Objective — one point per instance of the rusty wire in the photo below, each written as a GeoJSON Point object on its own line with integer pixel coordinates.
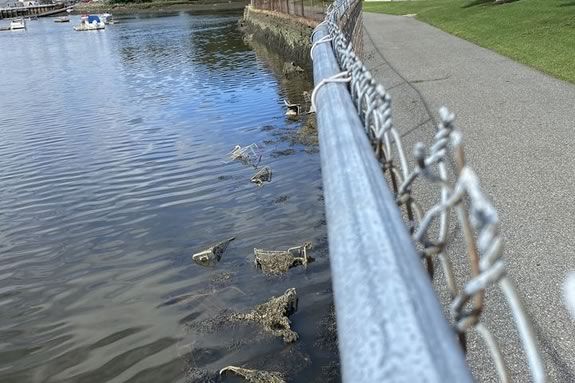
{"type": "Point", "coordinates": [442, 164]}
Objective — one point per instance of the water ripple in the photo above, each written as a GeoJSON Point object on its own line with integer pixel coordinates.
{"type": "Point", "coordinates": [113, 172]}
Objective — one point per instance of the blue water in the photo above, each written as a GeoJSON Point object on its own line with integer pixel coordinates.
{"type": "Point", "coordinates": [113, 172]}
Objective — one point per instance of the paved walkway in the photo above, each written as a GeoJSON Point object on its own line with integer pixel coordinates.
{"type": "Point", "coordinates": [519, 130]}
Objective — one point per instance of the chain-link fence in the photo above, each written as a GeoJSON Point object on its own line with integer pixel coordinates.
{"type": "Point", "coordinates": [441, 166]}
{"type": "Point", "coordinates": [309, 9]}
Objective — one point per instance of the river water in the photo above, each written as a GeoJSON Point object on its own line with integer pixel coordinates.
{"type": "Point", "coordinates": [113, 172]}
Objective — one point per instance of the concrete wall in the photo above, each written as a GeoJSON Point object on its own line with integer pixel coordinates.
{"type": "Point", "coordinates": [286, 34]}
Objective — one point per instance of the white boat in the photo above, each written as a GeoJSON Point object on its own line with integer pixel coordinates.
{"type": "Point", "coordinates": [107, 18]}
{"type": "Point", "coordinates": [62, 19]}
{"type": "Point", "coordinates": [90, 23]}
{"type": "Point", "coordinates": [18, 23]}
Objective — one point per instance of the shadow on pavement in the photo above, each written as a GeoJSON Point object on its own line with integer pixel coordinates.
{"type": "Point", "coordinates": [485, 2]}
{"type": "Point", "coordinates": [547, 347]}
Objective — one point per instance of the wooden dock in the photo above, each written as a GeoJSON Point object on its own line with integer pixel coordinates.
{"type": "Point", "coordinates": [34, 10]}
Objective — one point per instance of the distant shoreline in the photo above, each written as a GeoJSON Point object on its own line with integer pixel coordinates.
{"type": "Point", "coordinates": [159, 6]}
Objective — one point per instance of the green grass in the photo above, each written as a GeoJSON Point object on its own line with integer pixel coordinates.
{"type": "Point", "coordinates": [539, 33]}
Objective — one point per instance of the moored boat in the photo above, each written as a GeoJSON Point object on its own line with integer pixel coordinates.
{"type": "Point", "coordinates": [62, 19]}
{"type": "Point", "coordinates": [18, 23]}
{"type": "Point", "coordinates": [107, 18]}
{"type": "Point", "coordinates": [90, 23]}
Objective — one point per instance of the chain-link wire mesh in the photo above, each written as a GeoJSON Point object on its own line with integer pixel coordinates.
{"type": "Point", "coordinates": [460, 196]}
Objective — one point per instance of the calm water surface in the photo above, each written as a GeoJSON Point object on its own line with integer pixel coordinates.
{"type": "Point", "coordinates": [113, 173]}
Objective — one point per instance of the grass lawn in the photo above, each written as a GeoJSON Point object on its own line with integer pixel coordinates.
{"type": "Point", "coordinates": [539, 33]}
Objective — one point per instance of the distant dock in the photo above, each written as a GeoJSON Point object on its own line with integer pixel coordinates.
{"type": "Point", "coordinates": [33, 10]}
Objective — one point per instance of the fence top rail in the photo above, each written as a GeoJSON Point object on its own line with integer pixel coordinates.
{"type": "Point", "coordinates": [390, 324]}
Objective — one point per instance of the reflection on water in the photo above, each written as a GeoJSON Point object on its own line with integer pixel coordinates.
{"type": "Point", "coordinates": [113, 173]}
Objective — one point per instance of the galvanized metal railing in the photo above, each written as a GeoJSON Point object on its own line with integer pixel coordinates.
{"type": "Point", "coordinates": [390, 324]}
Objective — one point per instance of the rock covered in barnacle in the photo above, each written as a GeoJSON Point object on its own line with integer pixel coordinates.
{"type": "Point", "coordinates": [277, 262]}
{"type": "Point", "coordinates": [273, 315]}
{"type": "Point", "coordinates": [255, 376]}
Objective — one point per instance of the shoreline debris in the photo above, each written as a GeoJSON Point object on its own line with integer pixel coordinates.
{"type": "Point", "coordinates": [280, 261]}
{"type": "Point", "coordinates": [273, 315]}
{"type": "Point", "coordinates": [254, 376]}
{"type": "Point", "coordinates": [249, 154]}
{"type": "Point", "coordinates": [213, 254]}
{"type": "Point", "coordinates": [263, 175]}
{"type": "Point", "coordinates": [293, 110]}
{"type": "Point", "coordinates": [291, 68]}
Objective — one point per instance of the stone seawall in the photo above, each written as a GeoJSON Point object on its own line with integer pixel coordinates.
{"type": "Point", "coordinates": [286, 34]}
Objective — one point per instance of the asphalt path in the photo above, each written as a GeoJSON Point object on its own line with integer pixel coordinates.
{"type": "Point", "coordinates": [519, 134]}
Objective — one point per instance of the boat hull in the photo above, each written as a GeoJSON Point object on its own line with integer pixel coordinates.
{"type": "Point", "coordinates": [89, 27]}
{"type": "Point", "coordinates": [17, 24]}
